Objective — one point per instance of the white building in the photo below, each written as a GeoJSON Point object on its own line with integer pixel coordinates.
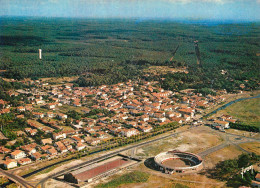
{"type": "Point", "coordinates": [18, 154]}
{"type": "Point", "coordinates": [10, 164]}
{"type": "Point", "coordinates": [129, 132]}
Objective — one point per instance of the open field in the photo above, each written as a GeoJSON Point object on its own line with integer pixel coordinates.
{"type": "Point", "coordinates": [60, 79]}
{"type": "Point", "coordinates": [252, 147]}
{"type": "Point", "coordinates": [247, 111]}
{"type": "Point", "coordinates": [229, 152]}
{"type": "Point", "coordinates": [192, 141]}
{"type": "Point", "coordinates": [66, 108]}
{"type": "Point", "coordinates": [155, 70]}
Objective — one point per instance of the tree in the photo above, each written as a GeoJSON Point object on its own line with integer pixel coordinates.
{"type": "Point", "coordinates": [73, 114]}
{"type": "Point", "coordinates": [243, 160]}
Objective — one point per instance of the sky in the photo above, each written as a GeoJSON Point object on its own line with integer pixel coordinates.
{"type": "Point", "coordinates": [246, 10]}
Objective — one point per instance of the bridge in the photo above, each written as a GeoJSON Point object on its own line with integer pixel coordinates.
{"type": "Point", "coordinates": [17, 179]}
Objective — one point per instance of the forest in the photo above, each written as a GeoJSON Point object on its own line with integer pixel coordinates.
{"type": "Point", "coordinates": [107, 51]}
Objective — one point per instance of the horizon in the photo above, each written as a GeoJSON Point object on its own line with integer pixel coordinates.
{"type": "Point", "coordinates": [140, 20]}
{"type": "Point", "coordinates": [196, 10]}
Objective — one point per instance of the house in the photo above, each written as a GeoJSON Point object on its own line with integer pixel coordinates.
{"type": "Point", "coordinates": [170, 114]}
{"type": "Point", "coordinates": [50, 114]}
{"type": "Point", "coordinates": [129, 132]}
{"type": "Point", "coordinates": [256, 183]}
{"type": "Point", "coordinates": [132, 123]}
{"type": "Point", "coordinates": [52, 151]}
{"type": "Point", "coordinates": [145, 128]}
{"type": "Point", "coordinates": [46, 141]}
{"type": "Point", "coordinates": [223, 124]}
{"type": "Point", "coordinates": [93, 141]}
{"type": "Point", "coordinates": [29, 150]}
{"type": "Point", "coordinates": [51, 106]}
{"type": "Point", "coordinates": [24, 161]}
{"type": "Point", "coordinates": [4, 150]}
{"type": "Point", "coordinates": [4, 111]}
{"type": "Point", "coordinates": [176, 119]}
{"type": "Point", "coordinates": [38, 114]}
{"type": "Point", "coordinates": [27, 130]}
{"type": "Point", "coordinates": [77, 104]}
{"type": "Point", "coordinates": [144, 117]}
{"type": "Point", "coordinates": [10, 163]}
{"type": "Point", "coordinates": [186, 117]}
{"type": "Point", "coordinates": [21, 116]}
{"type": "Point", "coordinates": [36, 156]}
{"type": "Point", "coordinates": [80, 146]}
{"type": "Point", "coordinates": [61, 147]}
{"type": "Point", "coordinates": [21, 108]}
{"type": "Point", "coordinates": [231, 120]}
{"type": "Point", "coordinates": [77, 139]}
{"type": "Point", "coordinates": [86, 110]}
{"type": "Point", "coordinates": [2, 103]}
{"type": "Point", "coordinates": [20, 133]}
{"type": "Point", "coordinates": [62, 116]}
{"type": "Point", "coordinates": [187, 111]}
{"type": "Point", "coordinates": [33, 132]}
{"type": "Point", "coordinates": [161, 119]}
{"type": "Point", "coordinates": [59, 136]}
{"type": "Point", "coordinates": [39, 101]}
{"type": "Point", "coordinates": [257, 177]}
{"type": "Point", "coordinates": [18, 154]}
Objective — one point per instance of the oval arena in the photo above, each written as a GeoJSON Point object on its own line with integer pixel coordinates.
{"type": "Point", "coordinates": [177, 161]}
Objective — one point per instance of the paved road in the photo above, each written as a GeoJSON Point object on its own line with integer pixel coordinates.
{"type": "Point", "coordinates": [213, 149]}
{"type": "Point", "coordinates": [16, 179]}
{"type": "Point", "coordinates": [254, 139]}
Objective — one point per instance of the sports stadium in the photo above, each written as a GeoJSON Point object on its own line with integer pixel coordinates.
{"type": "Point", "coordinates": [177, 161]}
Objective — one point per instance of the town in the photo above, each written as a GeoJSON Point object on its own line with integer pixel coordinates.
{"type": "Point", "coordinates": [63, 119]}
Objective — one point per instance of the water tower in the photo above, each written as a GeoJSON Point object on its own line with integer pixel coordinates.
{"type": "Point", "coordinates": [40, 53]}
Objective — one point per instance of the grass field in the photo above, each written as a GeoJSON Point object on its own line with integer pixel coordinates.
{"type": "Point", "coordinates": [252, 146]}
{"type": "Point", "coordinates": [247, 111]}
{"type": "Point", "coordinates": [229, 152]}
{"type": "Point", "coordinates": [132, 177]}
{"type": "Point", "coordinates": [66, 108]}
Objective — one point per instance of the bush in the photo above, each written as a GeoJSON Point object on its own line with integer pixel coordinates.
{"type": "Point", "coordinates": [250, 128]}
{"type": "Point", "coordinates": [132, 177]}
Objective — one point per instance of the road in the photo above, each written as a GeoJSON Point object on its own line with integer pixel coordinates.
{"type": "Point", "coordinates": [16, 179]}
